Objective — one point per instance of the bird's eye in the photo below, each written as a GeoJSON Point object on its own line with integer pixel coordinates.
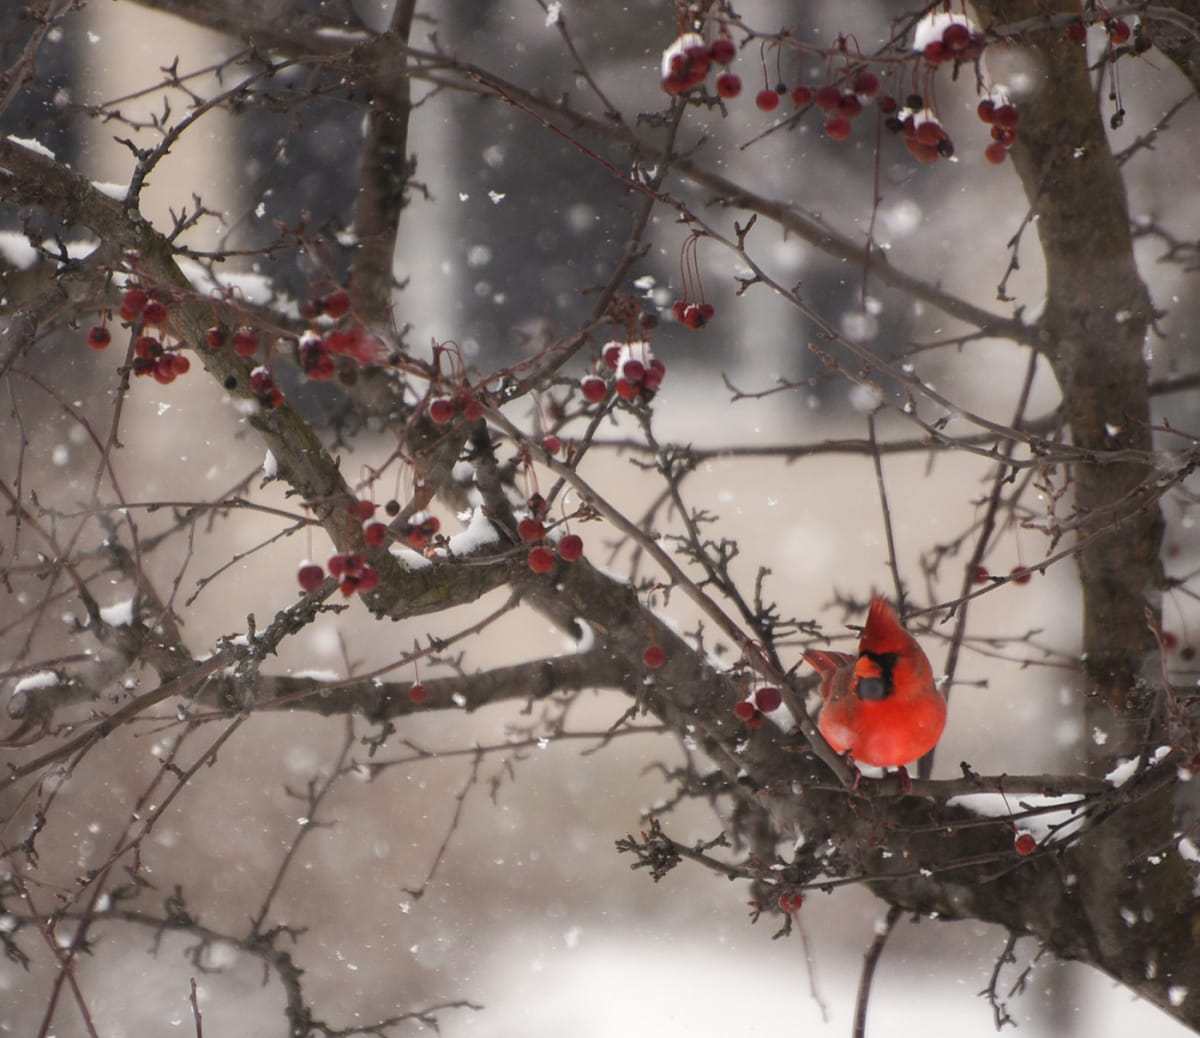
{"type": "Point", "coordinates": [871, 689]}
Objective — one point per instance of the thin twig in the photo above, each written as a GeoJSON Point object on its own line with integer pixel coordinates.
{"type": "Point", "coordinates": [870, 961]}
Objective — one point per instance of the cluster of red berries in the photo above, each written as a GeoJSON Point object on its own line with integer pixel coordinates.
{"type": "Point", "coordinates": [693, 315]}
{"type": "Point", "coordinates": [639, 374]}
{"type": "Point", "coordinates": [315, 352]}
{"type": "Point", "coordinates": [139, 305]}
{"type": "Point", "coordinates": [924, 136]}
{"type": "Point", "coordinates": [1002, 116]}
{"type": "Point", "coordinates": [687, 61]}
{"type": "Point", "coordinates": [350, 569]}
{"type": "Point", "coordinates": [244, 340]}
{"type": "Point", "coordinates": [1118, 33]}
{"type": "Point", "coordinates": [1018, 575]}
{"type": "Point", "coordinates": [151, 358]}
{"type": "Point", "coordinates": [262, 385]}
{"type": "Point", "coordinates": [418, 533]}
{"type": "Point", "coordinates": [353, 573]}
{"type": "Point", "coordinates": [532, 530]}
{"type": "Point", "coordinates": [841, 103]}
{"type": "Point", "coordinates": [334, 305]}
{"type": "Point", "coordinates": [444, 409]}
{"type": "Point", "coordinates": [958, 43]}
{"type": "Point", "coordinates": [762, 701]}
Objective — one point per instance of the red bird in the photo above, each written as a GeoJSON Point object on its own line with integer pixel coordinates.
{"type": "Point", "coordinates": [880, 706]}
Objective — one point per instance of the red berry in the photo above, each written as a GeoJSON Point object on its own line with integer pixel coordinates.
{"type": "Point", "coordinates": [1021, 575]}
{"type": "Point", "coordinates": [722, 50]}
{"type": "Point", "coordinates": [164, 370]}
{"type": "Point", "coordinates": [767, 100]}
{"type": "Point", "coordinates": [995, 153]}
{"type": "Point", "coordinates": [1118, 30]}
{"type": "Point", "coordinates": [827, 97]}
{"type": "Point", "coordinates": [570, 547]}
{"type": "Point", "coordinates": [889, 105]}
{"type": "Point", "coordinates": [310, 576]}
{"type": "Point", "coordinates": [442, 410]}
{"type": "Point", "coordinates": [1170, 640]}
{"type": "Point", "coordinates": [791, 902]}
{"type": "Point", "coordinates": [728, 85]}
{"type": "Point", "coordinates": [980, 575]}
{"type": "Point", "coordinates": [654, 375]}
{"type": "Point", "coordinates": [154, 312]}
{"type": "Point", "coordinates": [654, 657]}
{"type": "Point", "coordinates": [1077, 31]}
{"type": "Point", "coordinates": [693, 316]}
{"type": "Point", "coordinates": [215, 337]}
{"type": "Point", "coordinates": [837, 128]}
{"type": "Point", "coordinates": [336, 304]}
{"type": "Point", "coordinates": [921, 152]}
{"type": "Point", "coordinates": [551, 444]}
{"type": "Point", "coordinates": [363, 509]}
{"type": "Point", "coordinates": [849, 106]}
{"type": "Point", "coordinates": [866, 84]}
{"type": "Point", "coordinates": [1007, 116]}
{"type": "Point", "coordinates": [415, 538]}
{"type": "Point", "coordinates": [147, 347]}
{"type": "Point", "coordinates": [375, 534]}
{"type": "Point", "coordinates": [633, 371]}
{"type": "Point", "coordinates": [530, 530]}
{"type": "Point", "coordinates": [538, 506]}
{"type": "Point", "coordinates": [743, 710]}
{"type": "Point", "coordinates": [956, 36]}
{"type": "Point", "coordinates": [612, 354]}
{"type": "Point", "coordinates": [179, 363]}
{"type": "Point", "coordinates": [626, 390]}
{"type": "Point", "coordinates": [1025, 843]}
{"type": "Point", "coordinates": [245, 341]}
{"type": "Point", "coordinates": [418, 693]}
{"type": "Point", "coordinates": [594, 389]}
{"type": "Point", "coordinates": [801, 95]}
{"type": "Point", "coordinates": [986, 110]}
{"type": "Point", "coordinates": [98, 337]}
{"type": "Point", "coordinates": [133, 302]}
{"type": "Point", "coordinates": [472, 409]}
{"type": "Point", "coordinates": [319, 365]}
{"type": "Point", "coordinates": [541, 559]}
{"type": "Point", "coordinates": [936, 52]}
{"type": "Point", "coordinates": [768, 699]}
{"type": "Point", "coordinates": [756, 720]}
{"type": "Point", "coordinates": [930, 132]}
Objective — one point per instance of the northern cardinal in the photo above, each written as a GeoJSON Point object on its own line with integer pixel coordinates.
{"type": "Point", "coordinates": [880, 706]}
